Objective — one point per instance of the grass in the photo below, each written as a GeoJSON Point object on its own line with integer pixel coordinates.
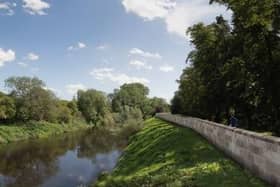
{"type": "Point", "coordinates": [33, 130]}
{"type": "Point", "coordinates": [166, 155]}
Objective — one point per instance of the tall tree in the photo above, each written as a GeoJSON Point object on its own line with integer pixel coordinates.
{"type": "Point", "coordinates": [33, 101]}
{"type": "Point", "coordinates": [21, 86]}
{"type": "Point", "coordinates": [132, 95]}
{"type": "Point", "coordinates": [93, 105]}
{"type": "Point", "coordinates": [235, 68]}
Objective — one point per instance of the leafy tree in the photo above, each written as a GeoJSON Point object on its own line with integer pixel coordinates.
{"type": "Point", "coordinates": [38, 105]}
{"type": "Point", "coordinates": [93, 105]}
{"type": "Point", "coordinates": [21, 86]}
{"type": "Point", "coordinates": [75, 113]}
{"type": "Point", "coordinates": [64, 114]}
{"type": "Point", "coordinates": [7, 107]}
{"type": "Point", "coordinates": [156, 105]}
{"type": "Point", "coordinates": [33, 101]}
{"type": "Point", "coordinates": [235, 68]}
{"type": "Point", "coordinates": [132, 95]}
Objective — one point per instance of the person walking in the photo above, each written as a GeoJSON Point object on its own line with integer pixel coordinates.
{"type": "Point", "coordinates": [233, 121]}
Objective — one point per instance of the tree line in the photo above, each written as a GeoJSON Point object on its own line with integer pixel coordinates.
{"type": "Point", "coordinates": [30, 100]}
{"type": "Point", "coordinates": [235, 67]}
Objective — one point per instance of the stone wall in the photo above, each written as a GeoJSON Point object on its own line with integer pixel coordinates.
{"type": "Point", "coordinates": [258, 153]}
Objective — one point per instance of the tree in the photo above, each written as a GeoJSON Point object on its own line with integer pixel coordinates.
{"type": "Point", "coordinates": [75, 113]}
{"type": "Point", "coordinates": [21, 86]}
{"type": "Point", "coordinates": [235, 68]}
{"type": "Point", "coordinates": [7, 107]}
{"type": "Point", "coordinates": [33, 101]}
{"type": "Point", "coordinates": [132, 95]}
{"type": "Point", "coordinates": [38, 105]}
{"type": "Point", "coordinates": [156, 105]}
{"type": "Point", "coordinates": [93, 105]}
{"type": "Point", "coordinates": [64, 114]}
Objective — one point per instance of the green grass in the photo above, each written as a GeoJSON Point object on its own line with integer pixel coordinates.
{"type": "Point", "coordinates": [33, 130]}
{"type": "Point", "coordinates": [166, 155]}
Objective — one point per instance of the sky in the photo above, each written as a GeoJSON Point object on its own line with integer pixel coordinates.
{"type": "Point", "coordinates": [100, 44]}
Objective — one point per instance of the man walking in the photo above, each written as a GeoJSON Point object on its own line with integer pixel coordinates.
{"type": "Point", "coordinates": [233, 121]}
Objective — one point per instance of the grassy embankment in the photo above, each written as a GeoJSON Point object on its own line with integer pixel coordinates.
{"type": "Point", "coordinates": [32, 130]}
{"type": "Point", "coordinates": [165, 155]}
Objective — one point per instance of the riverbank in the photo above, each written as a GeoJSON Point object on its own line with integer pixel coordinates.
{"type": "Point", "coordinates": [166, 155]}
{"type": "Point", "coordinates": [35, 130]}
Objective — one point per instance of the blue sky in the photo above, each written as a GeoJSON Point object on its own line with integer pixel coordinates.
{"type": "Point", "coordinates": [101, 44]}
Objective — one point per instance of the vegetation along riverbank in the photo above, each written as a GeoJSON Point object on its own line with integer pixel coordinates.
{"type": "Point", "coordinates": [31, 130]}
{"type": "Point", "coordinates": [165, 155]}
{"type": "Point", "coordinates": [29, 109]}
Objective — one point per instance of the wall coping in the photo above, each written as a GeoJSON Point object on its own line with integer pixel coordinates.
{"type": "Point", "coordinates": [266, 138]}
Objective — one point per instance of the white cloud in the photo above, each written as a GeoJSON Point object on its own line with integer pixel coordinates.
{"type": "Point", "coordinates": [140, 65]}
{"type": "Point", "coordinates": [6, 56]}
{"type": "Point", "coordinates": [73, 88]}
{"type": "Point", "coordinates": [166, 68]}
{"type": "Point", "coordinates": [177, 16]}
{"type": "Point", "coordinates": [22, 64]}
{"type": "Point", "coordinates": [102, 47]}
{"type": "Point", "coordinates": [140, 52]}
{"type": "Point", "coordinates": [79, 45]}
{"type": "Point", "coordinates": [7, 8]}
{"type": "Point", "coordinates": [187, 14]}
{"type": "Point", "coordinates": [149, 9]}
{"type": "Point", "coordinates": [32, 57]}
{"type": "Point", "coordinates": [34, 7]}
{"type": "Point", "coordinates": [119, 78]}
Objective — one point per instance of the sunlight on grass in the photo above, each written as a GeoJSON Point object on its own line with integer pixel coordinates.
{"type": "Point", "coordinates": [166, 155]}
{"type": "Point", "coordinates": [17, 132]}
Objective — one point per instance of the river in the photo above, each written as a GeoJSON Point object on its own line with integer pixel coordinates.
{"type": "Point", "coordinates": [68, 160]}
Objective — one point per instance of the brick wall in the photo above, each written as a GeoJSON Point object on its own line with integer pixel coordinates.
{"type": "Point", "coordinates": [258, 153]}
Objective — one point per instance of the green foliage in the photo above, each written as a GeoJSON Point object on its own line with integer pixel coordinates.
{"type": "Point", "coordinates": [73, 106]}
{"type": "Point", "coordinates": [37, 105]}
{"type": "Point", "coordinates": [155, 105]}
{"type": "Point", "coordinates": [33, 102]}
{"type": "Point", "coordinates": [7, 107]}
{"type": "Point", "coordinates": [17, 132]}
{"type": "Point", "coordinates": [132, 95]}
{"type": "Point", "coordinates": [166, 155]}
{"type": "Point", "coordinates": [30, 100]}
{"type": "Point", "coordinates": [21, 86]}
{"type": "Point", "coordinates": [93, 105]}
{"type": "Point", "coordinates": [235, 68]}
{"type": "Point", "coordinates": [64, 112]}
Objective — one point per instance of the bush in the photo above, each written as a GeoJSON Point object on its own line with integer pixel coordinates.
{"type": "Point", "coordinates": [7, 107]}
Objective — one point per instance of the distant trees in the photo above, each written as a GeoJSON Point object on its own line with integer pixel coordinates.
{"type": "Point", "coordinates": [93, 105]}
{"type": "Point", "coordinates": [156, 105]}
{"type": "Point", "coordinates": [131, 95]}
{"type": "Point", "coordinates": [235, 68]}
{"type": "Point", "coordinates": [29, 99]}
{"type": "Point", "coordinates": [135, 95]}
{"type": "Point", "coordinates": [39, 104]}
{"type": "Point", "coordinates": [33, 102]}
{"type": "Point", "coordinates": [21, 86]}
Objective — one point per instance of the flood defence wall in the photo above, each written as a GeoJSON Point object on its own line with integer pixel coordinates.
{"type": "Point", "coordinates": [258, 153]}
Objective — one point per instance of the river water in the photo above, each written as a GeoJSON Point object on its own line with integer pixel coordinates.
{"type": "Point", "coordinates": [69, 160]}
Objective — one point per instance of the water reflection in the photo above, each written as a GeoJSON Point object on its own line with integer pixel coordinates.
{"type": "Point", "coordinates": [70, 160]}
